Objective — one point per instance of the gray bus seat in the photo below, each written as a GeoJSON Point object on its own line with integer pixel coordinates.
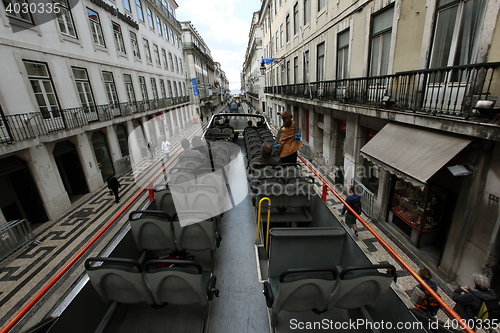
{"type": "Point", "coordinates": [164, 201]}
{"type": "Point", "coordinates": [201, 235]}
{"type": "Point", "coordinates": [360, 286]}
{"type": "Point", "coordinates": [179, 176]}
{"type": "Point", "coordinates": [180, 282]}
{"type": "Point", "coordinates": [297, 248]}
{"type": "Point", "coordinates": [119, 280]}
{"type": "Point", "coordinates": [298, 290]}
{"type": "Point", "coordinates": [302, 263]}
{"type": "Point", "coordinates": [153, 231]}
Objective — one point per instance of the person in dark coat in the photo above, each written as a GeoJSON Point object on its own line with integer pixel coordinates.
{"type": "Point", "coordinates": [354, 201]}
{"type": "Point", "coordinates": [468, 300]}
{"type": "Point", "coordinates": [114, 185]}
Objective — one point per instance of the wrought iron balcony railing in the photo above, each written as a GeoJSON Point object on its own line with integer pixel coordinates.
{"type": "Point", "coordinates": [450, 91]}
{"type": "Point", "coordinates": [20, 127]}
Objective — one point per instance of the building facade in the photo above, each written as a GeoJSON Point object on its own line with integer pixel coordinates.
{"type": "Point", "coordinates": [75, 83]}
{"type": "Point", "coordinates": [252, 81]}
{"type": "Point", "coordinates": [397, 97]}
{"type": "Point", "coordinates": [207, 79]}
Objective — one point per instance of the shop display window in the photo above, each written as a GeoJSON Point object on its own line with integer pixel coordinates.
{"type": "Point", "coordinates": [422, 209]}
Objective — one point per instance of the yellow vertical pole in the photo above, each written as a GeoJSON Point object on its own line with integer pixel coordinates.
{"type": "Point", "coordinates": [259, 209]}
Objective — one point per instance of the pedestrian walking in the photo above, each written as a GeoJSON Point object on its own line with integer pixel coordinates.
{"type": "Point", "coordinates": [354, 201]}
{"type": "Point", "coordinates": [165, 146]}
{"type": "Point", "coordinates": [114, 185]}
{"type": "Point", "coordinates": [420, 298]}
{"type": "Point", "coordinates": [151, 148]}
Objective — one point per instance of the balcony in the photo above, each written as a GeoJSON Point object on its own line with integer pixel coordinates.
{"type": "Point", "coordinates": [451, 91]}
{"type": "Point", "coordinates": [25, 126]}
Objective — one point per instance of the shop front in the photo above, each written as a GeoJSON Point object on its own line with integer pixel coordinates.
{"type": "Point", "coordinates": [417, 212]}
{"type": "Point", "coordinates": [419, 203]}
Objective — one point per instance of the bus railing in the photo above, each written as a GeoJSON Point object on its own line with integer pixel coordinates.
{"type": "Point", "coordinates": [444, 306]}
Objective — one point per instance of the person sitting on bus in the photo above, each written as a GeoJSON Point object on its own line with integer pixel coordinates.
{"type": "Point", "coordinates": [265, 158]}
{"type": "Point", "coordinates": [190, 153]}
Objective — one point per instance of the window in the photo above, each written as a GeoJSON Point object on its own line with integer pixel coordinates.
{"type": "Point", "coordinates": [126, 5]}
{"type": "Point", "coordinates": [307, 12]}
{"type": "Point", "coordinates": [158, 26]}
{"type": "Point", "coordinates": [175, 89]}
{"type": "Point", "coordinates": [150, 18]}
{"type": "Point", "coordinates": [144, 89]}
{"type": "Point", "coordinates": [140, 13]}
{"type": "Point", "coordinates": [154, 89]}
{"type": "Point", "coordinates": [277, 43]}
{"type": "Point", "coordinates": [145, 42]}
{"type": "Point", "coordinates": [296, 19]}
{"type": "Point", "coordinates": [135, 45]}
{"type": "Point", "coordinates": [456, 36]}
{"type": "Point", "coordinates": [176, 64]}
{"type": "Point", "coordinates": [95, 26]}
{"type": "Point", "coordinates": [109, 86]}
{"type": "Point", "coordinates": [10, 10]}
{"type": "Point", "coordinates": [281, 35]}
{"type": "Point", "coordinates": [162, 89]}
{"type": "Point", "coordinates": [65, 19]}
{"type": "Point", "coordinates": [164, 56]}
{"type": "Point", "coordinates": [287, 28]}
{"type": "Point", "coordinates": [83, 87]}
{"type": "Point", "coordinates": [342, 55]}
{"type": "Point", "coordinates": [157, 54]}
{"type": "Point", "coordinates": [381, 42]}
{"type": "Point", "coordinates": [169, 85]}
{"type": "Point", "coordinates": [165, 28]}
{"type": "Point", "coordinates": [288, 72]}
{"type": "Point", "coordinates": [171, 36]}
{"type": "Point", "coordinates": [296, 69]}
{"type": "Point", "coordinates": [129, 87]}
{"type": "Point", "coordinates": [306, 67]}
{"type": "Point", "coordinates": [320, 62]}
{"type": "Point", "coordinates": [171, 61]}
{"type": "Point", "coordinates": [321, 4]}
{"type": "Point", "coordinates": [41, 83]}
{"type": "Point", "coordinates": [117, 33]}
{"type": "Point", "coordinates": [180, 89]}
{"type": "Point", "coordinates": [271, 47]}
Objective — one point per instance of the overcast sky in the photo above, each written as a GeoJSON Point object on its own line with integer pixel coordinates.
{"type": "Point", "coordinates": [224, 26]}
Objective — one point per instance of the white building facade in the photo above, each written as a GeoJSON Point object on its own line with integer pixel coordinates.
{"type": "Point", "coordinates": [74, 86]}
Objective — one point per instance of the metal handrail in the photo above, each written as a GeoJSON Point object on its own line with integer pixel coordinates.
{"type": "Point", "coordinates": [259, 210]}
{"type": "Point", "coordinates": [396, 256]}
{"type": "Point", "coordinates": [30, 125]}
{"type": "Point", "coordinates": [448, 91]}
